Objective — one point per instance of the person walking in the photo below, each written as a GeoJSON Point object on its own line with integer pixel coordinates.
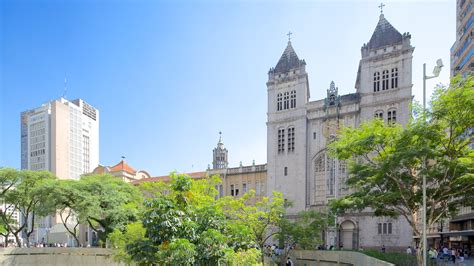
{"type": "Point", "coordinates": [453, 255]}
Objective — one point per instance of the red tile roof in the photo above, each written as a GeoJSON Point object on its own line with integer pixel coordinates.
{"type": "Point", "coordinates": [166, 178]}
{"type": "Point", "coordinates": [122, 166]}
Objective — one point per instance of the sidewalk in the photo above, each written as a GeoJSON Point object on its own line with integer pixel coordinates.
{"type": "Point", "coordinates": [468, 262]}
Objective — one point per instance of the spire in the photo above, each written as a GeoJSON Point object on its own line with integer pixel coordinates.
{"type": "Point", "coordinates": [384, 34]}
{"type": "Point", "coordinates": [220, 138]}
{"type": "Point", "coordinates": [288, 60]}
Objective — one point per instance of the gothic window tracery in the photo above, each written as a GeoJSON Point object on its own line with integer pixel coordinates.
{"type": "Point", "coordinates": [286, 101]}
{"type": "Point", "coordinates": [328, 171]}
{"type": "Point", "coordinates": [293, 99]}
{"type": "Point", "coordinates": [394, 78]}
{"type": "Point", "coordinates": [385, 80]}
{"type": "Point", "coordinates": [376, 81]}
{"type": "Point", "coordinates": [279, 102]}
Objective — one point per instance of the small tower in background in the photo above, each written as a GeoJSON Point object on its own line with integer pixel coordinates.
{"type": "Point", "coordinates": [219, 155]}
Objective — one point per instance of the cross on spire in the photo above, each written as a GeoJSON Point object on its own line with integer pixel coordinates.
{"type": "Point", "coordinates": [381, 7]}
{"type": "Point", "coordinates": [289, 35]}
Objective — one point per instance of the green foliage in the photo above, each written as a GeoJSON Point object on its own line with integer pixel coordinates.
{"type": "Point", "coordinates": [305, 230]}
{"type": "Point", "coordinates": [251, 256]}
{"type": "Point", "coordinates": [178, 252]}
{"type": "Point", "coordinates": [134, 232]}
{"type": "Point", "coordinates": [387, 163]}
{"type": "Point", "coordinates": [397, 258]}
{"type": "Point", "coordinates": [108, 203]}
{"type": "Point", "coordinates": [184, 224]}
{"type": "Point", "coordinates": [261, 215]}
{"type": "Point", "coordinates": [27, 197]}
{"type": "Point", "coordinates": [8, 178]}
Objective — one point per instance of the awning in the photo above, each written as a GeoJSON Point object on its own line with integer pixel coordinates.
{"type": "Point", "coordinates": [463, 217]}
{"type": "Point", "coordinates": [460, 233]}
{"type": "Point", "coordinates": [429, 236]}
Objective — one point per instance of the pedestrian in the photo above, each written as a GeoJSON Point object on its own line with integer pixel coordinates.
{"type": "Point", "coordinates": [461, 256]}
{"type": "Point", "coordinates": [432, 253]}
{"type": "Point", "coordinates": [453, 255]}
{"type": "Point", "coordinates": [409, 250]}
{"type": "Point", "coordinates": [383, 249]}
{"type": "Point", "coordinates": [289, 262]}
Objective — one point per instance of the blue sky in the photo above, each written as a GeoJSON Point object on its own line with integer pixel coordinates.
{"type": "Point", "coordinates": [168, 76]}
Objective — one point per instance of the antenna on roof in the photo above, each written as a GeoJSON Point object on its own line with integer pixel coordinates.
{"type": "Point", "coordinates": [65, 88]}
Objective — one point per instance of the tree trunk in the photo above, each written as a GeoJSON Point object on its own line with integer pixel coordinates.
{"type": "Point", "coordinates": [17, 238]}
{"type": "Point", "coordinates": [6, 239]}
{"type": "Point", "coordinates": [27, 240]}
{"type": "Point", "coordinates": [419, 255]}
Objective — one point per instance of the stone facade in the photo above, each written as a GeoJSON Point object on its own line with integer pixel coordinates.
{"type": "Point", "coordinates": [298, 131]}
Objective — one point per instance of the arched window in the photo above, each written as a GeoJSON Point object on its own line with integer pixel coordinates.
{"type": "Point", "coordinates": [385, 80]}
{"type": "Point", "coordinates": [279, 101]}
{"type": "Point", "coordinates": [376, 81]}
{"type": "Point", "coordinates": [281, 140]}
{"type": "Point", "coordinates": [392, 116]}
{"type": "Point", "coordinates": [286, 101]}
{"type": "Point", "coordinates": [291, 139]}
{"type": "Point", "coordinates": [331, 172]}
{"type": "Point", "coordinates": [394, 78]}
{"type": "Point", "coordinates": [293, 99]}
{"type": "Point", "coordinates": [379, 114]}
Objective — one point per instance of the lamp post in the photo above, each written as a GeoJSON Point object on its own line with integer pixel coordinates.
{"type": "Point", "coordinates": [436, 70]}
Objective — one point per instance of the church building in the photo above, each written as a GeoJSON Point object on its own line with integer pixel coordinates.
{"type": "Point", "coordinates": [298, 131]}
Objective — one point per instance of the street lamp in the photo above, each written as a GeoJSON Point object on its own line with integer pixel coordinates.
{"type": "Point", "coordinates": [436, 71]}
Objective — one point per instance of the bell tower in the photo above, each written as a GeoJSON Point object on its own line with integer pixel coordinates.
{"type": "Point", "coordinates": [219, 155]}
{"type": "Point", "coordinates": [288, 95]}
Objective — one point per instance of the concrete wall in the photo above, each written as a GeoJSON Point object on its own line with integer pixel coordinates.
{"type": "Point", "coordinates": [57, 256]}
{"type": "Point", "coordinates": [330, 258]}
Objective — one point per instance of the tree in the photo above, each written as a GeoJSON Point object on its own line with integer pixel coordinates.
{"type": "Point", "coordinates": [68, 201]}
{"type": "Point", "coordinates": [261, 215]}
{"type": "Point", "coordinates": [8, 178]}
{"type": "Point", "coordinates": [388, 162]}
{"type": "Point", "coordinates": [28, 198]}
{"type": "Point", "coordinates": [184, 225]}
{"type": "Point", "coordinates": [133, 233]}
{"type": "Point", "coordinates": [305, 232]}
{"type": "Point", "coordinates": [106, 203]}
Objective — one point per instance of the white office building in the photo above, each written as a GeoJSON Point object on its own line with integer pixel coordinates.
{"type": "Point", "coordinates": [60, 136]}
